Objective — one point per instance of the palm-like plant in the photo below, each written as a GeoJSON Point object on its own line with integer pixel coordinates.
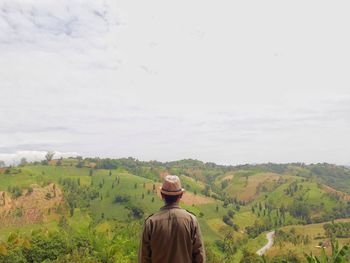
{"type": "Point", "coordinates": [339, 255]}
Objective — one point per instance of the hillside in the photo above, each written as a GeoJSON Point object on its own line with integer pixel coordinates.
{"type": "Point", "coordinates": [235, 205]}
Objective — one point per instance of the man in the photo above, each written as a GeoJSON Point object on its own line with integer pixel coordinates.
{"type": "Point", "coordinates": [171, 235]}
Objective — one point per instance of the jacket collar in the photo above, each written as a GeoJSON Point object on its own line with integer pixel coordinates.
{"type": "Point", "coordinates": [171, 206]}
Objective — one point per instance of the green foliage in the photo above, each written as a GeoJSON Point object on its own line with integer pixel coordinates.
{"type": "Point", "coordinates": [340, 229]}
{"type": "Point", "coordinates": [339, 255]}
{"type": "Point", "coordinates": [15, 191]}
{"type": "Point", "coordinates": [78, 195]}
{"type": "Point", "coordinates": [249, 257]}
{"type": "Point", "coordinates": [44, 247]}
{"type": "Point", "coordinates": [79, 247]}
{"type": "Point", "coordinates": [254, 230]}
{"type": "Point", "coordinates": [296, 239]}
{"type": "Point", "coordinates": [301, 210]}
{"type": "Point", "coordinates": [121, 199]}
{"type": "Point", "coordinates": [136, 212]}
{"type": "Point", "coordinates": [290, 257]}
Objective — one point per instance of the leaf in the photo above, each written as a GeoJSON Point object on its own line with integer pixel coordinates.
{"type": "Point", "coordinates": [323, 258]}
{"type": "Point", "coordinates": [339, 257]}
{"type": "Point", "coordinates": [3, 250]}
{"type": "Point", "coordinates": [12, 237]}
{"type": "Point", "coordinates": [310, 258]}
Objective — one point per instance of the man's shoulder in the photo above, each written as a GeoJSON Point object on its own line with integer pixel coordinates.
{"type": "Point", "coordinates": [183, 211]}
{"type": "Point", "coordinates": [177, 211]}
{"type": "Point", "coordinates": [191, 213]}
{"type": "Point", "coordinates": [148, 217]}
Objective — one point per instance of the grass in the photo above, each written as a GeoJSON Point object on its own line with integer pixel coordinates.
{"type": "Point", "coordinates": [191, 185]}
{"type": "Point", "coordinates": [244, 186]}
{"type": "Point", "coordinates": [244, 218]}
{"type": "Point", "coordinates": [80, 220]}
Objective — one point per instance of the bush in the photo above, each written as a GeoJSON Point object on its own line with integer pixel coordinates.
{"type": "Point", "coordinates": [15, 191]}
{"type": "Point", "coordinates": [136, 212]}
{"type": "Point", "coordinates": [46, 247]}
{"type": "Point", "coordinates": [121, 199]}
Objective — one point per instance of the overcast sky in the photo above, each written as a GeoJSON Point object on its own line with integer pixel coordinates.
{"type": "Point", "coordinates": [223, 81]}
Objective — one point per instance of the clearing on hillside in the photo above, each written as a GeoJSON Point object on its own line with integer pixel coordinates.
{"type": "Point", "coordinates": [188, 198]}
{"type": "Point", "coordinates": [341, 195]}
{"type": "Point", "coordinates": [246, 188]}
{"type": "Point", "coordinates": [32, 206]}
{"type": "Point", "coordinates": [192, 199]}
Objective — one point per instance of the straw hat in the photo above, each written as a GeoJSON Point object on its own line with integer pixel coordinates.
{"type": "Point", "coordinates": [171, 185]}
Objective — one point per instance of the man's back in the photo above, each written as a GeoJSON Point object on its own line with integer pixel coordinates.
{"type": "Point", "coordinates": [171, 235]}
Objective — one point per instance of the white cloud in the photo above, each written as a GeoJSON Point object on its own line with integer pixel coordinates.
{"type": "Point", "coordinates": [31, 156]}
{"type": "Point", "coordinates": [33, 21]}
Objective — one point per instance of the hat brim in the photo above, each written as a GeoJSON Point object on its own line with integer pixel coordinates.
{"type": "Point", "coordinates": [178, 192]}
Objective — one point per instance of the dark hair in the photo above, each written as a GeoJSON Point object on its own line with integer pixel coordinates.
{"type": "Point", "coordinates": [169, 199]}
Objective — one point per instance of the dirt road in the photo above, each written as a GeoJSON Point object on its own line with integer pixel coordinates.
{"type": "Point", "coordinates": [269, 237]}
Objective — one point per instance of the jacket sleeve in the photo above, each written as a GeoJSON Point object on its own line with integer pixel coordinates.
{"type": "Point", "coordinates": [198, 254]}
{"type": "Point", "coordinates": [145, 252]}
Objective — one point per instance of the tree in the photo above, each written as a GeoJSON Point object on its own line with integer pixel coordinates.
{"type": "Point", "coordinates": [30, 190]}
{"type": "Point", "coordinates": [23, 161]}
{"type": "Point", "coordinates": [59, 162]}
{"type": "Point", "coordinates": [80, 164]}
{"type": "Point", "coordinates": [230, 213]}
{"type": "Point", "coordinates": [49, 155]}
{"type": "Point", "coordinates": [136, 212]}
{"type": "Point", "coordinates": [206, 190]}
{"type": "Point", "coordinates": [250, 257]}
{"type": "Point", "coordinates": [2, 164]}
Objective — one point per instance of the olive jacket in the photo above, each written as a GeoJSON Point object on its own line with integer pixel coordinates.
{"type": "Point", "coordinates": [171, 235]}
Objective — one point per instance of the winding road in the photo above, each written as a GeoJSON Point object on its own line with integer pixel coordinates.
{"type": "Point", "coordinates": [269, 237]}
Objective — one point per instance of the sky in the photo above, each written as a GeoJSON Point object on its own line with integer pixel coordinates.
{"type": "Point", "coordinates": [230, 82]}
